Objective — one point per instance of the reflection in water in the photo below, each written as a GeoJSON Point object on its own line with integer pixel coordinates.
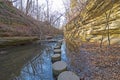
{"type": "Point", "coordinates": [39, 68]}
{"type": "Point", "coordinates": [32, 62]}
{"type": "Point", "coordinates": [12, 62]}
{"type": "Point", "coordinates": [63, 52]}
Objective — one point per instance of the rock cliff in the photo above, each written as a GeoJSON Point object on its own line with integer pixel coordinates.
{"type": "Point", "coordinates": [99, 21]}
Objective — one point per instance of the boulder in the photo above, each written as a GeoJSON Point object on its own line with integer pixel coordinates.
{"type": "Point", "coordinates": [56, 57]}
{"type": "Point", "coordinates": [59, 67]}
{"type": "Point", "coordinates": [68, 75]}
{"type": "Point", "coordinates": [48, 37]}
{"type": "Point", "coordinates": [57, 51]}
{"type": "Point", "coordinates": [57, 47]}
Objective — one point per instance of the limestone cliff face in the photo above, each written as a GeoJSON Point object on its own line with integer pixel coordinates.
{"type": "Point", "coordinates": [98, 21]}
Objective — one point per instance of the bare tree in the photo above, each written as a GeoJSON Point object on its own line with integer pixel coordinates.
{"type": "Point", "coordinates": [28, 6]}
{"type": "Point", "coordinates": [21, 5]}
{"type": "Point", "coordinates": [37, 10]}
{"type": "Point", "coordinates": [47, 2]}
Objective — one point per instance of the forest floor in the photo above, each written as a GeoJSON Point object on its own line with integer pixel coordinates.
{"type": "Point", "coordinates": [95, 63]}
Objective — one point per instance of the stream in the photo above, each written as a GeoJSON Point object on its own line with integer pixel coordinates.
{"type": "Point", "coordinates": [33, 61]}
{"type": "Point", "coordinates": [29, 62]}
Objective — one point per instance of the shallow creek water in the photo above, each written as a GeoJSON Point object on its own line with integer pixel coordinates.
{"type": "Point", "coordinates": [33, 62]}
{"type": "Point", "coordinates": [29, 62]}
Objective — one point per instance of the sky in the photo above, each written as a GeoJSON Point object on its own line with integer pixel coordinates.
{"type": "Point", "coordinates": [56, 5]}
